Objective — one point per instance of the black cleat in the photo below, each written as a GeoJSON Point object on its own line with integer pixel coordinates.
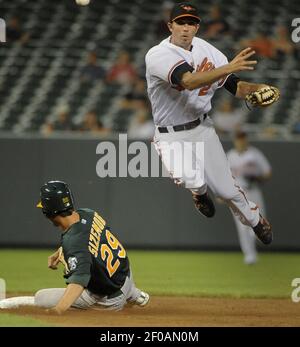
{"type": "Point", "coordinates": [263, 231]}
{"type": "Point", "coordinates": [204, 204]}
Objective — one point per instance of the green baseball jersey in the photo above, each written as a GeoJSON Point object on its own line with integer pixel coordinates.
{"type": "Point", "coordinates": [94, 258]}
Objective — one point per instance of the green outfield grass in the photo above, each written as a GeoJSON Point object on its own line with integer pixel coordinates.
{"type": "Point", "coordinates": [12, 320]}
{"type": "Point", "coordinates": [163, 273]}
{"type": "Point", "coordinates": [169, 273]}
{"type": "Point", "coordinates": [215, 274]}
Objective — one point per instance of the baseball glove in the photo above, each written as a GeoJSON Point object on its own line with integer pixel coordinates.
{"type": "Point", "coordinates": [264, 96]}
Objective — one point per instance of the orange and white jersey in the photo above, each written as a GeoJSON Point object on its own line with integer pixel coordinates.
{"type": "Point", "coordinates": [172, 104]}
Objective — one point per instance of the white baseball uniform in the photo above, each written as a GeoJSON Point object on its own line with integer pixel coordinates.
{"type": "Point", "coordinates": [253, 163]}
{"type": "Point", "coordinates": [172, 105]}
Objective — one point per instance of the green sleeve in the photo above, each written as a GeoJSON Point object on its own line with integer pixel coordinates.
{"type": "Point", "coordinates": [79, 262]}
{"type": "Point", "coordinates": [82, 279]}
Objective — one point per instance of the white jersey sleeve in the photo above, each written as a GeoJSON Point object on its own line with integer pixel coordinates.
{"type": "Point", "coordinates": [262, 162]}
{"type": "Point", "coordinates": [162, 61]}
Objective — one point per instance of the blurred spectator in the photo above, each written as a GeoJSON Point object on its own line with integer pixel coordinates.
{"type": "Point", "coordinates": [91, 71]}
{"type": "Point", "coordinates": [47, 128]}
{"type": "Point", "coordinates": [136, 102]}
{"type": "Point", "coordinates": [262, 45]}
{"type": "Point", "coordinates": [141, 126]}
{"type": "Point", "coordinates": [216, 25]}
{"type": "Point", "coordinates": [91, 123]}
{"type": "Point", "coordinates": [14, 31]}
{"type": "Point", "coordinates": [136, 97]}
{"type": "Point", "coordinates": [269, 132]}
{"type": "Point", "coordinates": [282, 42]}
{"type": "Point", "coordinates": [227, 120]}
{"type": "Point", "coordinates": [296, 127]}
{"type": "Point", "coordinates": [122, 72]}
{"type": "Point", "coordinates": [63, 122]}
{"type": "Point", "coordinates": [162, 30]}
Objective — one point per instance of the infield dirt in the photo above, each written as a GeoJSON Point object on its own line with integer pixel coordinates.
{"type": "Point", "coordinates": [181, 312]}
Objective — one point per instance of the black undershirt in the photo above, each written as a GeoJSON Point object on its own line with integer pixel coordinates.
{"type": "Point", "coordinates": [179, 72]}
{"type": "Point", "coordinates": [230, 84]}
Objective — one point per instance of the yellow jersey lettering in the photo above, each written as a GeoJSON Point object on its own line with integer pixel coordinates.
{"type": "Point", "coordinates": [100, 218]}
{"type": "Point", "coordinates": [94, 243]}
{"type": "Point", "coordinates": [115, 244]}
{"type": "Point", "coordinates": [96, 227]}
{"type": "Point", "coordinates": [96, 233]}
{"type": "Point", "coordinates": [93, 251]}
{"type": "Point", "coordinates": [107, 255]}
{"type": "Point", "coordinates": [100, 225]}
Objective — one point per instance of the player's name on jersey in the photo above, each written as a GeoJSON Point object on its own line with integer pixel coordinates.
{"type": "Point", "coordinates": [121, 159]}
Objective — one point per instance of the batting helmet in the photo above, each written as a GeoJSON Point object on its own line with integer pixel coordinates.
{"type": "Point", "coordinates": [56, 197]}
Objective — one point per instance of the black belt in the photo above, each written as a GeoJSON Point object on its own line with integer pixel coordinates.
{"type": "Point", "coordinates": [186, 126]}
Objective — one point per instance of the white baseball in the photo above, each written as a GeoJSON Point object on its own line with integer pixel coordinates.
{"type": "Point", "coordinates": [82, 2]}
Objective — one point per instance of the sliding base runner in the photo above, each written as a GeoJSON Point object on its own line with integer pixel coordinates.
{"type": "Point", "coordinates": [97, 270]}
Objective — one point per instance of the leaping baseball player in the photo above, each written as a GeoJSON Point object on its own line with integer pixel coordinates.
{"type": "Point", "coordinates": [183, 72]}
{"type": "Point", "coordinates": [96, 265]}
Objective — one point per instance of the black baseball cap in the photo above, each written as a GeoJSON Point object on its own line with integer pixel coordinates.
{"type": "Point", "coordinates": [184, 9]}
{"type": "Point", "coordinates": [240, 134]}
{"type": "Point", "coordinates": [56, 197]}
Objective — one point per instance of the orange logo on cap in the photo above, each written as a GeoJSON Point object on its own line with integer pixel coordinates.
{"type": "Point", "coordinates": [187, 8]}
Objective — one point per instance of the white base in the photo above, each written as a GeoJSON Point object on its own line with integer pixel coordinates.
{"type": "Point", "coordinates": [2, 289]}
{"type": "Point", "coordinates": [17, 302]}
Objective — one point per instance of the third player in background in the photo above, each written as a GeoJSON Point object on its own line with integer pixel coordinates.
{"type": "Point", "coordinates": [250, 168]}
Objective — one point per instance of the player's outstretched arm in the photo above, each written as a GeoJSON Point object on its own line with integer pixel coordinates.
{"type": "Point", "coordinates": [244, 88]}
{"type": "Point", "coordinates": [199, 79]}
{"type": "Point", "coordinates": [257, 94]}
{"type": "Point", "coordinates": [72, 293]}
